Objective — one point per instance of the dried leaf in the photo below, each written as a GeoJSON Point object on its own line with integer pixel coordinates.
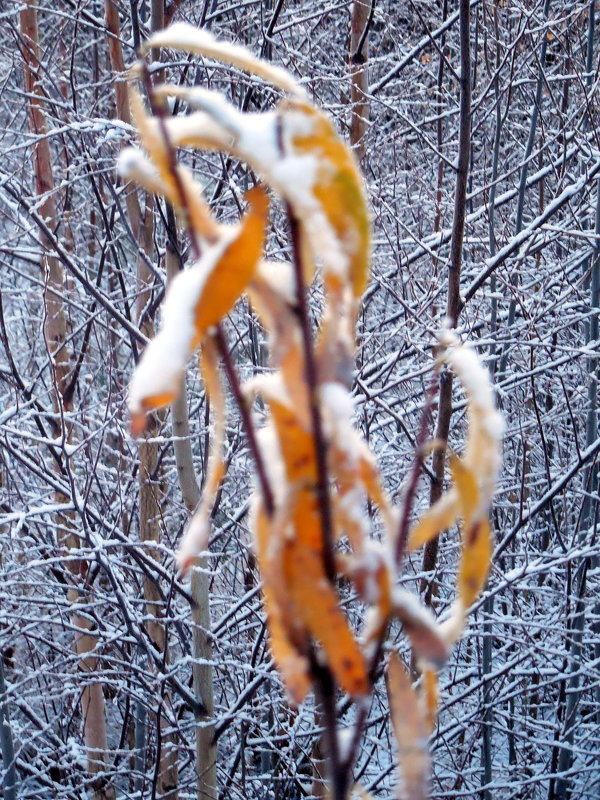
{"type": "Point", "coordinates": [298, 153]}
{"type": "Point", "coordinates": [340, 191]}
{"type": "Point", "coordinates": [410, 729]}
{"type": "Point", "coordinates": [273, 297]}
{"type": "Point", "coordinates": [439, 517]}
{"type": "Point", "coordinates": [476, 536]}
{"type": "Point", "coordinates": [420, 625]}
{"type": "Point", "coordinates": [430, 698]}
{"type": "Point", "coordinates": [484, 438]}
{"type": "Point", "coordinates": [475, 562]}
{"type": "Point", "coordinates": [181, 36]}
{"type": "Point", "coordinates": [197, 299]}
{"type": "Point", "coordinates": [291, 664]}
{"type": "Point", "coordinates": [317, 605]}
{"type": "Point", "coordinates": [225, 284]}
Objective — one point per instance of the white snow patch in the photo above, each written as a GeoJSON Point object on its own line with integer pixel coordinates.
{"type": "Point", "coordinates": [164, 359]}
{"type": "Point", "coordinates": [186, 37]}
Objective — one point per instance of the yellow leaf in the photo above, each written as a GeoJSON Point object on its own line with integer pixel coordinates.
{"type": "Point", "coordinates": [475, 562]}
{"type": "Point", "coordinates": [371, 479]}
{"type": "Point", "coordinates": [476, 536]}
{"type": "Point", "coordinates": [440, 516]}
{"type": "Point", "coordinates": [410, 729]}
{"type": "Point", "coordinates": [174, 181]}
{"type": "Point", "coordinates": [138, 416]}
{"type": "Point", "coordinates": [466, 486]}
{"type": "Point", "coordinates": [339, 188]}
{"type": "Point", "coordinates": [296, 443]}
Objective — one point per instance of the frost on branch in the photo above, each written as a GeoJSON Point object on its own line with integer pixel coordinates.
{"type": "Point", "coordinates": [315, 470]}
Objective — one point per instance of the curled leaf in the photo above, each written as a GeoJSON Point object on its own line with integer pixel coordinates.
{"type": "Point", "coordinates": [181, 36]}
{"type": "Point", "coordinates": [164, 176]}
{"type": "Point", "coordinates": [420, 625]}
{"type": "Point", "coordinates": [197, 299]}
{"type": "Point", "coordinates": [298, 153]}
{"type": "Point", "coordinates": [290, 662]}
{"type": "Point", "coordinates": [317, 605]}
{"type": "Point", "coordinates": [483, 449]}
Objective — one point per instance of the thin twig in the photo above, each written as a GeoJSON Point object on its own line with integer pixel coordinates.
{"type": "Point", "coordinates": [402, 535]}
{"type": "Point", "coordinates": [310, 369]}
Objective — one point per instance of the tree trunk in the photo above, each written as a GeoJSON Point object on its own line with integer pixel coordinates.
{"type": "Point", "coordinates": [55, 331]}
{"type": "Point", "coordinates": [206, 749]}
{"type": "Point", "coordinates": [359, 54]}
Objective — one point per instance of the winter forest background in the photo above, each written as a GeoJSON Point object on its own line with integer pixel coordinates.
{"type": "Point", "coordinates": [520, 703]}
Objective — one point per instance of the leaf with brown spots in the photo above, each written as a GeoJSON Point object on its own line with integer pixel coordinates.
{"type": "Point", "coordinates": [291, 664]}
{"type": "Point", "coordinates": [317, 605]}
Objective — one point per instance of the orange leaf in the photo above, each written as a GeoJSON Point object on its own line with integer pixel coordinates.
{"type": "Point", "coordinates": [296, 443]}
{"type": "Point", "coordinates": [317, 605]}
{"type": "Point", "coordinates": [197, 299]}
{"type": "Point", "coordinates": [430, 697]}
{"type": "Point", "coordinates": [228, 280]}
{"type": "Point", "coordinates": [291, 664]}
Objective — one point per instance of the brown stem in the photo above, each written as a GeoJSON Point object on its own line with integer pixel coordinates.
{"type": "Point", "coordinates": [402, 536]}
{"type": "Point", "coordinates": [454, 303]}
{"type": "Point", "coordinates": [310, 369]}
{"type": "Point", "coordinates": [236, 388]}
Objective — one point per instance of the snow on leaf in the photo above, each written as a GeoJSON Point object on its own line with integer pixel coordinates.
{"type": "Point", "coordinates": [483, 448]}
{"type": "Point", "coordinates": [340, 191]}
{"type": "Point", "coordinates": [166, 177]}
{"type": "Point", "coordinates": [297, 152]}
{"type": "Point", "coordinates": [410, 730]}
{"type": "Point", "coordinates": [181, 36]}
{"type": "Point", "coordinates": [197, 299]}
{"type": "Point", "coordinates": [421, 628]}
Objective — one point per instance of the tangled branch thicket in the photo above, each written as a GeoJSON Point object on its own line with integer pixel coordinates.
{"type": "Point", "coordinates": [341, 446]}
